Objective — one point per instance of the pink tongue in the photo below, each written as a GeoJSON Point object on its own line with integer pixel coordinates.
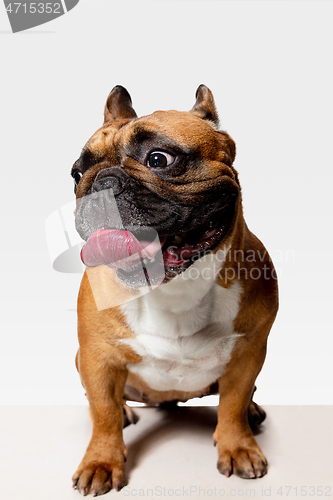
{"type": "Point", "coordinates": [117, 249]}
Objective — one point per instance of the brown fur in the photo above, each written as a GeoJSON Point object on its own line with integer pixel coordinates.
{"type": "Point", "coordinates": [102, 359]}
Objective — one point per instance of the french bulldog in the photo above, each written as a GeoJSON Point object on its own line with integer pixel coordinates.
{"type": "Point", "coordinates": [178, 296]}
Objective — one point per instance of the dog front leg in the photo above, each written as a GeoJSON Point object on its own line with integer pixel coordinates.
{"type": "Point", "coordinates": [102, 467]}
{"type": "Point", "coordinates": [237, 448]}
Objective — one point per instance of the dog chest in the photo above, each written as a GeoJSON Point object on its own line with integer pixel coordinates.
{"type": "Point", "coordinates": [185, 342]}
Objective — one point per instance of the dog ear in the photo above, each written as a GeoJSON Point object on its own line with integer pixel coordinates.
{"type": "Point", "coordinates": [118, 105]}
{"type": "Point", "coordinates": [204, 106]}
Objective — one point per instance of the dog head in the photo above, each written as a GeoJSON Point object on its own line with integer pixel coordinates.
{"type": "Point", "coordinates": [169, 173]}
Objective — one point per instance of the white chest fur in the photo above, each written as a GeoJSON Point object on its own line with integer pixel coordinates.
{"type": "Point", "coordinates": [184, 329]}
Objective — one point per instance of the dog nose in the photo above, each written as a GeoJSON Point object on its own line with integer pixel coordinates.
{"type": "Point", "coordinates": [110, 178]}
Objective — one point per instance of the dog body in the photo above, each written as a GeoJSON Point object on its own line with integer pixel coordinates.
{"type": "Point", "coordinates": [184, 345]}
{"type": "Point", "coordinates": [201, 328]}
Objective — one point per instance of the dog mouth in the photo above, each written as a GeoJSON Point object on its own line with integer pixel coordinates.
{"type": "Point", "coordinates": [145, 256]}
{"type": "Point", "coordinates": [178, 251]}
{"type": "Point", "coordinates": [182, 247]}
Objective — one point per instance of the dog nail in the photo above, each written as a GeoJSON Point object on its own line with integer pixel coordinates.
{"type": "Point", "coordinates": [75, 481]}
{"type": "Point", "coordinates": [258, 473]}
{"type": "Point", "coordinates": [227, 473]}
{"type": "Point", "coordinates": [94, 493]}
{"type": "Point", "coordinates": [83, 492]}
{"type": "Point", "coordinates": [252, 474]}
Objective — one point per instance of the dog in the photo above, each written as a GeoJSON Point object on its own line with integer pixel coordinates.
{"type": "Point", "coordinates": [178, 296]}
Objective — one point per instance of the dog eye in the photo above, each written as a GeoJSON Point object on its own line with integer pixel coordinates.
{"type": "Point", "coordinates": [76, 174]}
{"type": "Point", "coordinates": [160, 159]}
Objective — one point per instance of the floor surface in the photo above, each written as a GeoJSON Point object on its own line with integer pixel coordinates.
{"type": "Point", "coordinates": [170, 454]}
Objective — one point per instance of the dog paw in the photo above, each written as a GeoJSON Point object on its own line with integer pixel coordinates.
{"type": "Point", "coordinates": [129, 416]}
{"type": "Point", "coordinates": [98, 478]}
{"type": "Point", "coordinates": [245, 462]}
{"type": "Point", "coordinates": [256, 415]}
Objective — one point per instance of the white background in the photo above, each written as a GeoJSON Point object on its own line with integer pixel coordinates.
{"type": "Point", "coordinates": [269, 66]}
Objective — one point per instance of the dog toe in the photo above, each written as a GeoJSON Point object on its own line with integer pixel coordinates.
{"type": "Point", "coordinates": [247, 463]}
{"type": "Point", "coordinates": [98, 479]}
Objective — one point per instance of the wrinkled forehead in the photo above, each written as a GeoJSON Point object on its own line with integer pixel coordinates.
{"type": "Point", "coordinates": [173, 129]}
